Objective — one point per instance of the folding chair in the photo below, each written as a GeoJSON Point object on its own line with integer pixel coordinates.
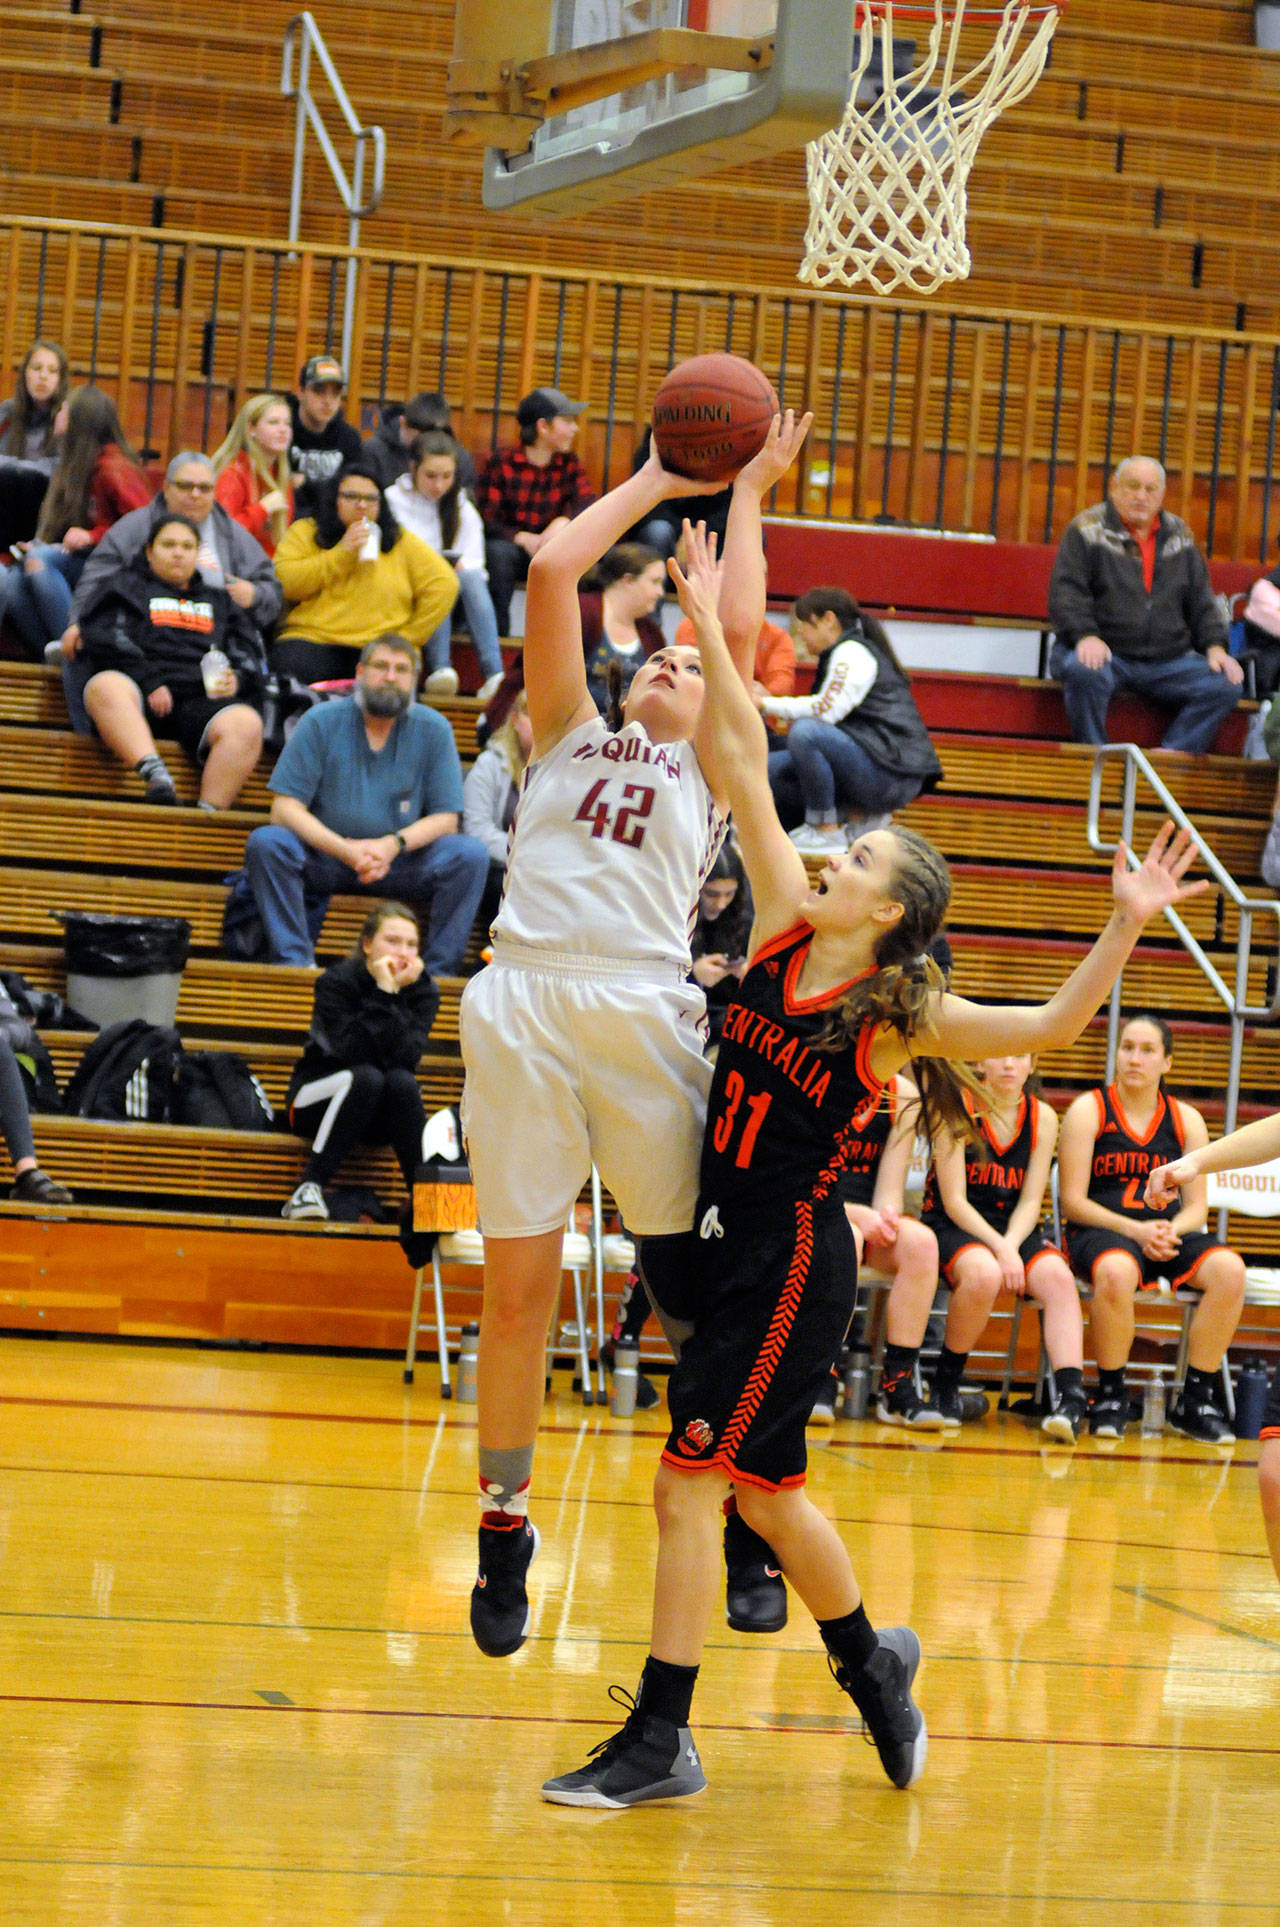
{"type": "Point", "coordinates": [466, 1247]}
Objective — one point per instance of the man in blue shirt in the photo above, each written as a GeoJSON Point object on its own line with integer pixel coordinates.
{"type": "Point", "coordinates": [368, 797]}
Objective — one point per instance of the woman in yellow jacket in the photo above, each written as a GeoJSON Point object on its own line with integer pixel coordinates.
{"type": "Point", "coordinates": [351, 573]}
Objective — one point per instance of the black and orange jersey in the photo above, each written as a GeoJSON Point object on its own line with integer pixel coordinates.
{"type": "Point", "coordinates": [994, 1173]}
{"type": "Point", "coordinates": [1123, 1160]}
{"type": "Point", "coordinates": [785, 1121]}
{"type": "Point", "coordinates": [858, 1184]}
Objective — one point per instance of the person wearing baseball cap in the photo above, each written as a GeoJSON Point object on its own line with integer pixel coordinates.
{"type": "Point", "coordinates": [322, 441]}
{"type": "Point", "coordinates": [526, 493]}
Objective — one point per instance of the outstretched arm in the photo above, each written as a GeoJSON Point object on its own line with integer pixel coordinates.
{"type": "Point", "coordinates": [554, 671]}
{"type": "Point", "coordinates": [967, 1031]}
{"type": "Point", "coordinates": [732, 748]}
{"type": "Point", "coordinates": [1253, 1143]}
{"type": "Point", "coordinates": [742, 589]}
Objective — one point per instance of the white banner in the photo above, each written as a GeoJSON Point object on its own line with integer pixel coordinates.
{"type": "Point", "coordinates": [1255, 1191]}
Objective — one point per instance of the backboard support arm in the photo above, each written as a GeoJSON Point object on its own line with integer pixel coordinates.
{"type": "Point", "coordinates": [501, 103]}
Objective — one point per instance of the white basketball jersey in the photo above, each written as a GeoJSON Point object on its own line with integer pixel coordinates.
{"type": "Point", "coordinates": [611, 844]}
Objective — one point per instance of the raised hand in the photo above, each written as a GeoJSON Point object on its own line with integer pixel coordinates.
{"type": "Point", "coordinates": [669, 483]}
{"type": "Point", "coordinates": [1158, 884]}
{"type": "Point", "coordinates": [698, 582]}
{"type": "Point", "coordinates": [1166, 1181]}
{"type": "Point", "coordinates": [781, 446]}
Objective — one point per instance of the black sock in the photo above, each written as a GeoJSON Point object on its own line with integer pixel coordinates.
{"type": "Point", "coordinates": [1111, 1383]}
{"type": "Point", "coordinates": [1069, 1380]}
{"type": "Point", "coordinates": [899, 1362]}
{"type": "Point", "coordinates": [153, 769]}
{"type": "Point", "coordinates": [950, 1368]}
{"type": "Point", "coordinates": [666, 1691]}
{"type": "Point", "coordinates": [1198, 1389]}
{"type": "Point", "coordinates": [851, 1640]}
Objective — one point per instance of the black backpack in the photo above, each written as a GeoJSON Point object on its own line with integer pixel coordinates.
{"type": "Point", "coordinates": [217, 1089]}
{"type": "Point", "coordinates": [127, 1074]}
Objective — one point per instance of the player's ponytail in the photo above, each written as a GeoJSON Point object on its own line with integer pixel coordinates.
{"type": "Point", "coordinates": [897, 993]}
{"type": "Point", "coordinates": [613, 690]}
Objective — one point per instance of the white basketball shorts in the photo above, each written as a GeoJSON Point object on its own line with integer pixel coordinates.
{"type": "Point", "coordinates": [572, 1061]}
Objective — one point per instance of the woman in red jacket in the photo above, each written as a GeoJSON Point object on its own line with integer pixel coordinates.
{"type": "Point", "coordinates": [254, 480]}
{"type": "Point", "coordinates": [98, 479]}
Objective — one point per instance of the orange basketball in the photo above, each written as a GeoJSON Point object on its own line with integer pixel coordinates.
{"type": "Point", "coordinates": [711, 415]}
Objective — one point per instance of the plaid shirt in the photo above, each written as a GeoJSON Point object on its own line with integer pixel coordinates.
{"type": "Point", "coordinates": [513, 493]}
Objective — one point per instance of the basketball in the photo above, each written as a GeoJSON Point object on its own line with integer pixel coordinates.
{"type": "Point", "coordinates": [711, 415]}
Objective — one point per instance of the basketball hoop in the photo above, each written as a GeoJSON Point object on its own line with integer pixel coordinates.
{"type": "Point", "coordinates": [887, 188]}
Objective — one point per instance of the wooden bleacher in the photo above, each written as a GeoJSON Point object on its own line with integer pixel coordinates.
{"type": "Point", "coordinates": [1009, 814]}
{"type": "Point", "coordinates": [185, 120]}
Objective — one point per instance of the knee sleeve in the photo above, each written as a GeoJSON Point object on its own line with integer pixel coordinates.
{"type": "Point", "coordinates": [668, 1268]}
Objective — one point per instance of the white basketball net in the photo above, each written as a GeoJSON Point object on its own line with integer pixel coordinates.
{"type": "Point", "coordinates": [887, 197]}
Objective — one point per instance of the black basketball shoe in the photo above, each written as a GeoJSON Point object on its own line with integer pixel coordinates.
{"type": "Point", "coordinates": [499, 1602]}
{"type": "Point", "coordinates": [881, 1691]}
{"type": "Point", "coordinates": [1199, 1419]}
{"type": "Point", "coordinates": [1108, 1416]}
{"type": "Point", "coordinates": [650, 1759]}
{"type": "Point", "coordinates": [755, 1591]}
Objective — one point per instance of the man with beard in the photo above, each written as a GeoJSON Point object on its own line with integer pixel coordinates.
{"type": "Point", "coordinates": [368, 798]}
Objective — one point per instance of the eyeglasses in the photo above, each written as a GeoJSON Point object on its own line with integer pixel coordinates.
{"type": "Point", "coordinates": [349, 495]}
{"type": "Point", "coordinates": [193, 488]}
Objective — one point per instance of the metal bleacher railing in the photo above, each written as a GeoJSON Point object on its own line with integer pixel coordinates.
{"type": "Point", "coordinates": [303, 35]}
{"type": "Point", "coordinates": [1234, 997]}
{"type": "Point", "coordinates": [995, 425]}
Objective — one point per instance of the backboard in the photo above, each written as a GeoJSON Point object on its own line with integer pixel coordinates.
{"type": "Point", "coordinates": [628, 95]}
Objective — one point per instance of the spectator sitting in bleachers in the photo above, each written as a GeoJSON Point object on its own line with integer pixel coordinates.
{"type": "Point", "coordinates": [429, 499]}
{"type": "Point", "coordinates": [491, 788]}
{"type": "Point", "coordinates": [1110, 1143]}
{"type": "Point", "coordinates": [1132, 607]}
{"type": "Point", "coordinates": [1261, 618]}
{"type": "Point", "coordinates": [719, 939]}
{"type": "Point", "coordinates": [387, 450]}
{"type": "Point", "coordinates": [524, 494]}
{"type": "Point", "coordinates": [857, 746]}
{"type": "Point", "coordinates": [355, 1082]}
{"type": "Point", "coordinates": [28, 444]}
{"type": "Point", "coordinates": [146, 636]}
{"type": "Point", "coordinates": [323, 441]}
{"type": "Point", "coordinates": [254, 480]}
{"type": "Point", "coordinates": [350, 574]}
{"type": "Point", "coordinates": [97, 481]}
{"type": "Point", "coordinates": [368, 793]}
{"type": "Point", "coordinates": [229, 557]}
{"type": "Point", "coordinates": [617, 600]}
{"type": "Point", "coordinates": [31, 1185]}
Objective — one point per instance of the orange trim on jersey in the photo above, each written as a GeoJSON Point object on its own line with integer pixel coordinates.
{"type": "Point", "coordinates": [1002, 1150]}
{"type": "Point", "coordinates": [1157, 1117]}
{"type": "Point", "coordinates": [1100, 1099]}
{"type": "Point", "coordinates": [1269, 1432]}
{"type": "Point", "coordinates": [780, 942]}
{"type": "Point", "coordinates": [796, 1006]}
{"type": "Point", "coordinates": [1049, 1250]}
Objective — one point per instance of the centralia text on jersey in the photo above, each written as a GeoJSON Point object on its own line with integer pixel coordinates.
{"type": "Point", "coordinates": [803, 1067]}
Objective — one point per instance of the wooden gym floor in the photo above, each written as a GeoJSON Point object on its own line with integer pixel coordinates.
{"type": "Point", "coordinates": [236, 1682]}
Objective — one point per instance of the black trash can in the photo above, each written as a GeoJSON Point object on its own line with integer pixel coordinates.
{"type": "Point", "coordinates": [120, 967]}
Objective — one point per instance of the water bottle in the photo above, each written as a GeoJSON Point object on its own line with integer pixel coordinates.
{"type": "Point", "coordinates": [626, 1369]}
{"type": "Point", "coordinates": [1251, 1399]}
{"type": "Point", "coordinates": [857, 1384]}
{"type": "Point", "coordinates": [468, 1357]}
{"type": "Point", "coordinates": [1153, 1408]}
{"type": "Point", "coordinates": [215, 666]}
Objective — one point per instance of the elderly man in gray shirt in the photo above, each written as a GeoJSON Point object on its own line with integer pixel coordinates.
{"type": "Point", "coordinates": [230, 558]}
